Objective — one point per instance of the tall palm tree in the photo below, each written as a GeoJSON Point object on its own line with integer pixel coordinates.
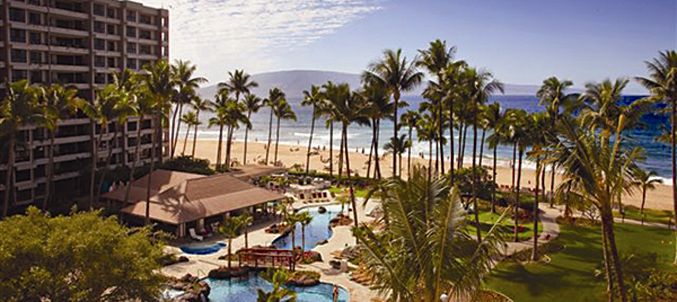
{"type": "Point", "coordinates": [190, 119]}
{"type": "Point", "coordinates": [314, 99]}
{"type": "Point", "coordinates": [494, 121]}
{"type": "Point", "coordinates": [451, 85]}
{"type": "Point", "coordinates": [537, 139]}
{"type": "Point", "coordinates": [239, 83]}
{"type": "Point", "coordinates": [18, 108]}
{"type": "Point", "coordinates": [290, 220]}
{"type": "Point", "coordinates": [305, 219]}
{"type": "Point", "coordinates": [517, 134]}
{"type": "Point", "coordinates": [247, 219]}
{"type": "Point", "coordinates": [378, 107]}
{"type": "Point", "coordinates": [220, 120]}
{"type": "Point", "coordinates": [230, 228]}
{"type": "Point", "coordinates": [397, 146]}
{"type": "Point", "coordinates": [200, 105]}
{"type": "Point", "coordinates": [159, 87]}
{"type": "Point", "coordinates": [278, 293]}
{"type": "Point", "coordinates": [434, 96]}
{"type": "Point", "coordinates": [235, 114]}
{"type": "Point", "coordinates": [398, 75]}
{"type": "Point", "coordinates": [275, 95]}
{"type": "Point", "coordinates": [435, 59]}
{"type": "Point", "coordinates": [282, 111]}
{"type": "Point", "coordinates": [662, 84]}
{"type": "Point", "coordinates": [186, 90]}
{"type": "Point", "coordinates": [253, 103]}
{"type": "Point", "coordinates": [426, 131]}
{"type": "Point", "coordinates": [553, 95]}
{"type": "Point", "coordinates": [645, 181]}
{"type": "Point", "coordinates": [426, 250]}
{"type": "Point", "coordinates": [410, 118]}
{"type": "Point", "coordinates": [58, 103]}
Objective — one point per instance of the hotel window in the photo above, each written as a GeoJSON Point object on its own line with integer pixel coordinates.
{"type": "Point", "coordinates": [111, 12]}
{"type": "Point", "coordinates": [34, 19]}
{"type": "Point", "coordinates": [35, 38]}
{"type": "Point", "coordinates": [17, 15]}
{"type": "Point", "coordinates": [145, 49]}
{"type": "Point", "coordinates": [112, 63]}
{"type": "Point", "coordinates": [112, 46]}
{"type": "Point", "coordinates": [100, 78]}
{"type": "Point", "coordinates": [131, 31]}
{"type": "Point", "coordinates": [18, 74]}
{"type": "Point", "coordinates": [131, 47]}
{"type": "Point", "coordinates": [99, 44]}
{"type": "Point", "coordinates": [34, 2]}
{"type": "Point", "coordinates": [19, 55]}
{"type": "Point", "coordinates": [17, 35]}
{"type": "Point", "coordinates": [145, 19]}
{"type": "Point", "coordinates": [99, 61]}
{"type": "Point", "coordinates": [110, 29]}
{"type": "Point", "coordinates": [131, 63]}
{"type": "Point", "coordinates": [144, 34]}
{"type": "Point", "coordinates": [99, 27]}
{"type": "Point", "coordinates": [36, 77]}
{"type": "Point", "coordinates": [36, 57]}
{"type": "Point", "coordinates": [131, 16]}
{"type": "Point", "coordinates": [99, 9]}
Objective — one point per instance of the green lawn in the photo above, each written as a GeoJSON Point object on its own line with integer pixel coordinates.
{"type": "Point", "coordinates": [570, 274]}
{"type": "Point", "coordinates": [650, 215]}
{"type": "Point", "coordinates": [506, 227]}
{"type": "Point", "coordinates": [361, 193]}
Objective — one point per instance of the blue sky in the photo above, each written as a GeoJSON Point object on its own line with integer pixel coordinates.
{"type": "Point", "coordinates": [520, 41]}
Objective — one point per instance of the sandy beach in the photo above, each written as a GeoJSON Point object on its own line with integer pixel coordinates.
{"type": "Point", "coordinates": [660, 198]}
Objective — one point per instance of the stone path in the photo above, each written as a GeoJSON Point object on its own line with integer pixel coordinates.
{"type": "Point", "coordinates": [549, 231]}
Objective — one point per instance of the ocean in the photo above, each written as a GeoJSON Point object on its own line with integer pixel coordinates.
{"type": "Point", "coordinates": [297, 133]}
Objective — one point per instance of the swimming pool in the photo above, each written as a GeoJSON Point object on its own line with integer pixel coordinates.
{"type": "Point", "coordinates": [244, 290]}
{"type": "Point", "coordinates": [202, 249]}
{"type": "Point", "coordinates": [317, 231]}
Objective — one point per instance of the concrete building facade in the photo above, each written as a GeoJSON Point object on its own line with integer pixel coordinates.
{"type": "Point", "coordinates": [77, 43]}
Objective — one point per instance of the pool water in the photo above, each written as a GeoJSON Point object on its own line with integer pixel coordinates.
{"type": "Point", "coordinates": [244, 290]}
{"type": "Point", "coordinates": [202, 249]}
{"type": "Point", "coordinates": [317, 231]}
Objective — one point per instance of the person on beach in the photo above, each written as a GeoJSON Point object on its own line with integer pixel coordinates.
{"type": "Point", "coordinates": [335, 293]}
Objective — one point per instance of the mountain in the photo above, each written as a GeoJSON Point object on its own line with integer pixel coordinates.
{"type": "Point", "coordinates": [293, 82]}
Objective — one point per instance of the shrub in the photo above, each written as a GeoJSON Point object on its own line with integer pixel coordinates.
{"type": "Point", "coordinates": [189, 165]}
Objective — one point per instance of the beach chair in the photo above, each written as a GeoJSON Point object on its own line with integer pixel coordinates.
{"type": "Point", "coordinates": [194, 235]}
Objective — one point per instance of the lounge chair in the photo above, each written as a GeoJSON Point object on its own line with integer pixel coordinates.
{"type": "Point", "coordinates": [195, 236]}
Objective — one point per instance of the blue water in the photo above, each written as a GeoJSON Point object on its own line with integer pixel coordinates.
{"type": "Point", "coordinates": [202, 250]}
{"type": "Point", "coordinates": [317, 231]}
{"type": "Point", "coordinates": [297, 132]}
{"type": "Point", "coordinates": [244, 290]}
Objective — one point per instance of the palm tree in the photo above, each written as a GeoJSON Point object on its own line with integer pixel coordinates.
{"type": "Point", "coordinates": [278, 293]}
{"type": "Point", "coordinates": [200, 105]}
{"type": "Point", "coordinates": [410, 118]}
{"type": "Point", "coordinates": [186, 90]}
{"type": "Point", "coordinates": [537, 130]}
{"type": "Point", "coordinates": [426, 131]}
{"type": "Point", "coordinates": [220, 120]}
{"type": "Point", "coordinates": [450, 84]}
{"type": "Point", "coordinates": [274, 97]}
{"type": "Point", "coordinates": [426, 250]}
{"type": "Point", "coordinates": [312, 98]}
{"type": "Point", "coordinates": [239, 83]}
{"type": "Point", "coordinates": [247, 220]}
{"type": "Point", "coordinates": [378, 107]}
{"type": "Point", "coordinates": [435, 60]}
{"type": "Point", "coordinates": [235, 114]}
{"type": "Point", "coordinates": [493, 120]}
{"type": "Point", "coordinates": [159, 88]}
{"type": "Point", "coordinates": [645, 181]}
{"type": "Point", "coordinates": [230, 228]}
{"type": "Point", "coordinates": [552, 94]}
{"type": "Point", "coordinates": [290, 220]}
{"type": "Point", "coordinates": [397, 75]}
{"type": "Point", "coordinates": [517, 134]}
{"type": "Point", "coordinates": [57, 103]}
{"type": "Point", "coordinates": [662, 84]}
{"type": "Point", "coordinates": [18, 108]}
{"type": "Point", "coordinates": [397, 146]}
{"type": "Point", "coordinates": [282, 111]}
{"type": "Point", "coordinates": [253, 104]}
{"type": "Point", "coordinates": [305, 219]}
{"type": "Point", "coordinates": [190, 119]}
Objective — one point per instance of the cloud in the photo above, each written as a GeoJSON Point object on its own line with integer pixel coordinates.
{"type": "Point", "coordinates": [220, 35]}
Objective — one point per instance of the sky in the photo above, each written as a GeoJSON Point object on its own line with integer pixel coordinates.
{"type": "Point", "coordinates": [519, 41]}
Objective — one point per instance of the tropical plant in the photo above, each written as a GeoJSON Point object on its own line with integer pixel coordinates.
{"type": "Point", "coordinates": [220, 120]}
{"type": "Point", "coordinates": [426, 250]}
{"type": "Point", "coordinates": [645, 181]}
{"type": "Point", "coordinates": [275, 96]}
{"type": "Point", "coordinates": [18, 108]}
{"type": "Point", "coordinates": [278, 293]}
{"type": "Point", "coordinates": [397, 146]}
{"type": "Point", "coordinates": [200, 105]}
{"type": "Point", "coordinates": [230, 228]}
{"type": "Point", "coordinates": [305, 219]}
{"type": "Point", "coordinates": [538, 136]}
{"type": "Point", "coordinates": [397, 75]}
{"type": "Point", "coordinates": [378, 107]}
{"type": "Point", "coordinates": [290, 220]}
{"type": "Point", "coordinates": [247, 220]}
{"type": "Point", "coordinates": [186, 86]}
{"type": "Point", "coordinates": [252, 103]}
{"type": "Point", "coordinates": [493, 120]}
{"type": "Point", "coordinates": [282, 111]}
{"type": "Point", "coordinates": [314, 99]}
{"type": "Point", "coordinates": [190, 119]}
{"type": "Point", "coordinates": [410, 119]}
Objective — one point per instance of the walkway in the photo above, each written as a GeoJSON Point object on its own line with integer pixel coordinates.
{"type": "Point", "coordinates": [549, 231]}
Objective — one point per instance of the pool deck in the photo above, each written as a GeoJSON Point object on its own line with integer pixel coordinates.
{"type": "Point", "coordinates": [200, 265]}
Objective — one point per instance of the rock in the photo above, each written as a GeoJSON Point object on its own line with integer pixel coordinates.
{"type": "Point", "coordinates": [322, 242]}
{"type": "Point", "coordinates": [322, 210]}
{"type": "Point", "coordinates": [335, 264]}
{"type": "Point", "coordinates": [225, 273]}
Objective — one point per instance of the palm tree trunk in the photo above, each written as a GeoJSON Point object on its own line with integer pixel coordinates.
{"type": "Point", "coordinates": [430, 160]}
{"type": "Point", "coordinates": [411, 143]}
{"type": "Point", "coordinates": [173, 129]}
{"type": "Point", "coordinates": [50, 171]}
{"type": "Point", "coordinates": [514, 164]}
{"type": "Point", "coordinates": [451, 140]}
{"type": "Point", "coordinates": [197, 117]}
{"type": "Point", "coordinates": [9, 186]}
{"type": "Point", "coordinates": [395, 117]}
{"type": "Point", "coordinates": [108, 158]}
{"type": "Point", "coordinates": [230, 252]}
{"type": "Point", "coordinates": [137, 152]}
{"type": "Point", "coordinates": [340, 162]}
{"type": "Point", "coordinates": [246, 237]}
{"type": "Point", "coordinates": [482, 146]}
{"type": "Point", "coordinates": [371, 147]}
{"type": "Point", "coordinates": [440, 117]}
{"type": "Point", "coordinates": [534, 250]}
{"type": "Point", "coordinates": [350, 183]}
{"type": "Point", "coordinates": [303, 239]}
{"type": "Point", "coordinates": [229, 139]}
{"type": "Point", "coordinates": [93, 191]}
{"type": "Point", "coordinates": [552, 184]}
{"type": "Point", "coordinates": [474, 178]}
{"type": "Point", "coordinates": [607, 268]}
{"type": "Point", "coordinates": [437, 157]}
{"type": "Point", "coordinates": [607, 226]}
{"type": "Point", "coordinates": [460, 149]}
{"type": "Point", "coordinates": [218, 148]}
{"type": "Point", "coordinates": [174, 141]}
{"type": "Point", "coordinates": [185, 140]}
{"type": "Point", "coordinates": [270, 134]}
{"type": "Point", "coordinates": [277, 139]}
{"type": "Point", "coordinates": [310, 142]}
{"type": "Point", "coordinates": [493, 190]}
{"type": "Point", "coordinates": [517, 195]}
{"type": "Point", "coordinates": [246, 136]}
{"type": "Point", "coordinates": [331, 149]}
{"type": "Point", "coordinates": [641, 209]}
{"type": "Point", "coordinates": [465, 136]}
{"type": "Point", "coordinates": [673, 142]}
{"type": "Point", "coordinates": [377, 161]}
{"type": "Point", "coordinates": [150, 176]}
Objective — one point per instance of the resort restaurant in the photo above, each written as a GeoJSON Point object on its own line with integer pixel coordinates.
{"type": "Point", "coordinates": [186, 203]}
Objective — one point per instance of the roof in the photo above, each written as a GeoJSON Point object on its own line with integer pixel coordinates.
{"type": "Point", "coordinates": [161, 181]}
{"type": "Point", "coordinates": [248, 172]}
{"type": "Point", "coordinates": [192, 198]}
